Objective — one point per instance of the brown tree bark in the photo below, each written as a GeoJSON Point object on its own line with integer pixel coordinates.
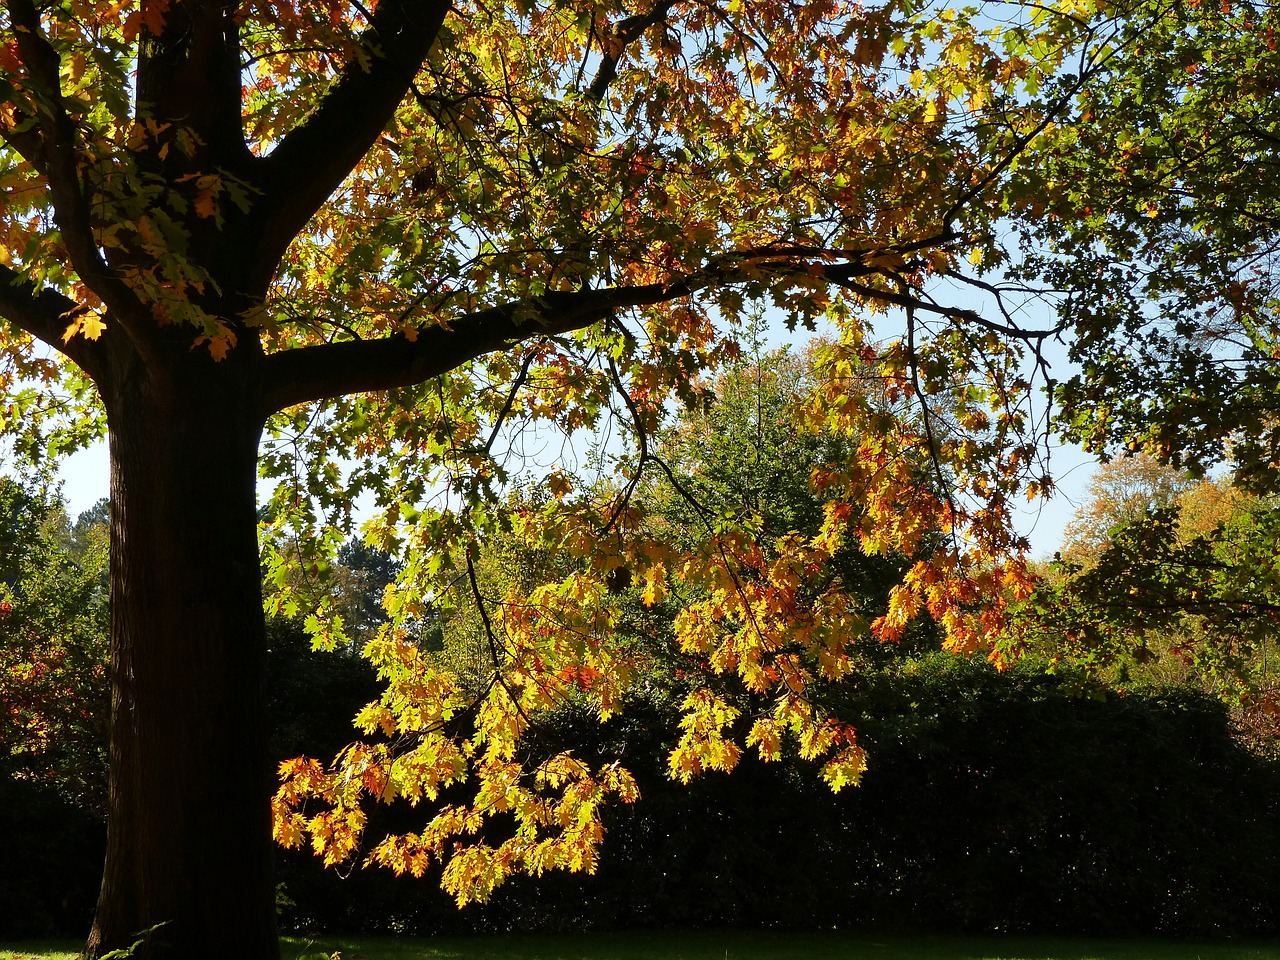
{"type": "Point", "coordinates": [189, 840]}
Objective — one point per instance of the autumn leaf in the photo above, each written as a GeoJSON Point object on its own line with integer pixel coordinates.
{"type": "Point", "coordinates": [154, 15]}
{"type": "Point", "coordinates": [206, 201]}
{"type": "Point", "coordinates": [219, 346]}
{"type": "Point", "coordinates": [88, 324]}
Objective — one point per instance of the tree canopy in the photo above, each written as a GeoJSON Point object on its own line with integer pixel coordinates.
{"type": "Point", "coordinates": [1162, 236]}
{"type": "Point", "coordinates": [396, 250]}
{"type": "Point", "coordinates": [53, 640]}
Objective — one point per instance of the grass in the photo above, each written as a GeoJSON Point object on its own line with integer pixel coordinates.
{"type": "Point", "coordinates": [727, 945]}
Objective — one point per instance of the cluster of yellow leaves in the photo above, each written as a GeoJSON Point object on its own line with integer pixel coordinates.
{"type": "Point", "coordinates": [555, 807]}
{"type": "Point", "coordinates": [911, 487]}
{"type": "Point", "coordinates": [760, 623]}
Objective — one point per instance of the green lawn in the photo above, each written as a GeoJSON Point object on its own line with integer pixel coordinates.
{"type": "Point", "coordinates": [729, 946]}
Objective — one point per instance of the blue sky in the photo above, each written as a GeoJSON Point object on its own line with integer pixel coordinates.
{"type": "Point", "coordinates": [85, 479]}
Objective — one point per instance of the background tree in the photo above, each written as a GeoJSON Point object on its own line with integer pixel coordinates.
{"type": "Point", "coordinates": [387, 234]}
{"type": "Point", "coordinates": [54, 710]}
{"type": "Point", "coordinates": [1122, 491]}
{"type": "Point", "coordinates": [1164, 235]}
{"type": "Point", "coordinates": [1178, 594]}
{"type": "Point", "coordinates": [54, 702]}
{"type": "Point", "coordinates": [757, 456]}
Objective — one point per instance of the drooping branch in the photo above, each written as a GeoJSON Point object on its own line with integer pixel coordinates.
{"type": "Point", "coordinates": [312, 160]}
{"type": "Point", "coordinates": [45, 314]}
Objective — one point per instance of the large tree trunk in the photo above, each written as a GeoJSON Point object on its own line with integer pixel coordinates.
{"type": "Point", "coordinates": [189, 844]}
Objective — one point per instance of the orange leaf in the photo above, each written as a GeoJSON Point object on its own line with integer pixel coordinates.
{"type": "Point", "coordinates": [132, 23]}
{"type": "Point", "coordinates": [88, 324]}
{"type": "Point", "coordinates": [154, 13]}
{"type": "Point", "coordinates": [10, 61]}
{"type": "Point", "coordinates": [219, 346]}
{"type": "Point", "coordinates": [205, 205]}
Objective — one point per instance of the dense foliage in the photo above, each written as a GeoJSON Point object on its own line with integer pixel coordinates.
{"type": "Point", "coordinates": [1167, 580]}
{"type": "Point", "coordinates": [1163, 238]}
{"type": "Point", "coordinates": [402, 250]}
{"type": "Point", "coordinates": [54, 696]}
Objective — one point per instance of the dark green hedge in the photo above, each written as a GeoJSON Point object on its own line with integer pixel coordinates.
{"type": "Point", "coordinates": [993, 802]}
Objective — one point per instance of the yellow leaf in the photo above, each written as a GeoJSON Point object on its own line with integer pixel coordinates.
{"type": "Point", "coordinates": [208, 187]}
{"type": "Point", "coordinates": [92, 326]}
{"type": "Point", "coordinates": [559, 484]}
{"type": "Point", "coordinates": [89, 324]}
{"type": "Point", "coordinates": [219, 346]}
{"type": "Point", "coordinates": [655, 587]}
{"type": "Point", "coordinates": [205, 205]}
{"type": "Point", "coordinates": [765, 737]}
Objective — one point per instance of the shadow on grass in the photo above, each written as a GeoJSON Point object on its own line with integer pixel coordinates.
{"type": "Point", "coordinates": [724, 945]}
{"type": "Point", "coordinates": [755, 945]}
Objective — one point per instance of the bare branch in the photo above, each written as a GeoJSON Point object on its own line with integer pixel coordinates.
{"type": "Point", "coordinates": [517, 384]}
{"type": "Point", "coordinates": [496, 647]}
{"type": "Point", "coordinates": [911, 302]}
{"type": "Point", "coordinates": [926, 420]}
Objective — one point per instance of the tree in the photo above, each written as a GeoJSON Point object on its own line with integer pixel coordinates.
{"type": "Point", "coordinates": [387, 233]}
{"type": "Point", "coordinates": [1121, 491]}
{"type": "Point", "coordinates": [53, 647]}
{"type": "Point", "coordinates": [1162, 231]}
{"type": "Point", "coordinates": [1180, 593]}
{"type": "Point", "coordinates": [1162, 201]}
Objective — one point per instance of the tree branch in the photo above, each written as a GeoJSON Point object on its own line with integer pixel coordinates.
{"type": "Point", "coordinates": [312, 160]}
{"type": "Point", "coordinates": [25, 143]}
{"type": "Point", "coordinates": [357, 366]}
{"type": "Point", "coordinates": [909, 302]}
{"type": "Point", "coordinates": [45, 314]}
{"type": "Point", "coordinates": [58, 162]}
{"type": "Point", "coordinates": [615, 40]}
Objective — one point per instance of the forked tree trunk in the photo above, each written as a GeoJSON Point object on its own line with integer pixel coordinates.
{"type": "Point", "coordinates": [189, 843]}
